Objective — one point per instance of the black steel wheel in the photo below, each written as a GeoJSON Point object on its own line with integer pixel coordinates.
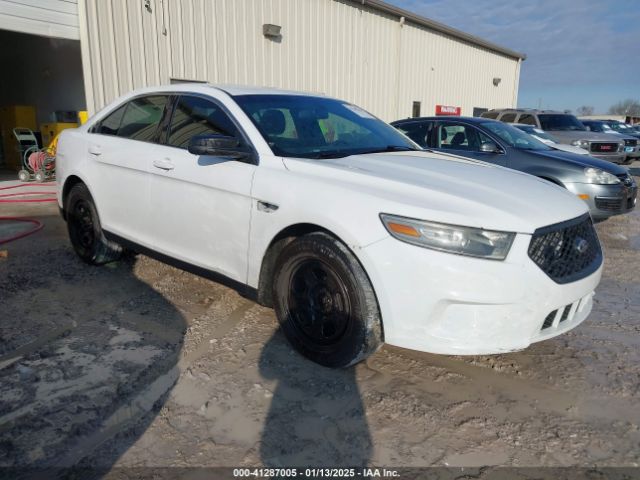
{"type": "Point", "coordinates": [325, 302]}
{"type": "Point", "coordinates": [84, 228]}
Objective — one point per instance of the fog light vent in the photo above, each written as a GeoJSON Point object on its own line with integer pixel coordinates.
{"type": "Point", "coordinates": [549, 320]}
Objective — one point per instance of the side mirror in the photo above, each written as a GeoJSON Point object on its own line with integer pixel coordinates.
{"type": "Point", "coordinates": [218, 146]}
{"type": "Point", "coordinates": [489, 147]}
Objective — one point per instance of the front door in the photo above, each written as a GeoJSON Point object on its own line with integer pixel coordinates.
{"type": "Point", "coordinates": [465, 140]}
{"type": "Point", "coordinates": [201, 205]}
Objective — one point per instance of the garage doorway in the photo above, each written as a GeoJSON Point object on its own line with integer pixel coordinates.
{"type": "Point", "coordinates": [42, 88]}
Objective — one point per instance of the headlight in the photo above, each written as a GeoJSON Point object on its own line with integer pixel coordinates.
{"type": "Point", "coordinates": [600, 177]}
{"type": "Point", "coordinates": [581, 143]}
{"type": "Point", "coordinates": [474, 242]}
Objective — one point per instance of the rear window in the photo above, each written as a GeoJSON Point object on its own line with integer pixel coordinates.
{"type": "Point", "coordinates": [527, 119]}
{"type": "Point", "coordinates": [492, 115]}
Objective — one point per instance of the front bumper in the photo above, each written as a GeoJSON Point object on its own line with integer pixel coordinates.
{"type": "Point", "coordinates": [632, 152]}
{"type": "Point", "coordinates": [606, 200]}
{"type": "Point", "coordinates": [451, 304]}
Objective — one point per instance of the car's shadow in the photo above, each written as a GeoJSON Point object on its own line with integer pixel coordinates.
{"type": "Point", "coordinates": [86, 354]}
{"type": "Point", "coordinates": [316, 417]}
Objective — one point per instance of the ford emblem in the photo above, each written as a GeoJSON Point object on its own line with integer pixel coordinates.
{"type": "Point", "coordinates": [581, 245]}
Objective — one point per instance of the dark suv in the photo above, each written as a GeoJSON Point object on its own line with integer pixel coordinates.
{"type": "Point", "coordinates": [608, 189]}
{"type": "Point", "coordinates": [567, 129]}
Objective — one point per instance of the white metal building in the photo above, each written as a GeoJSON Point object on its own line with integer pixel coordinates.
{"type": "Point", "coordinates": [387, 60]}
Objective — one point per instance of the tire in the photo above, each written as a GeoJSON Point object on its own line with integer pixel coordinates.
{"type": "Point", "coordinates": [85, 232]}
{"type": "Point", "coordinates": [325, 303]}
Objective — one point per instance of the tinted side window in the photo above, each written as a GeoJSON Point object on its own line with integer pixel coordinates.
{"type": "Point", "coordinates": [528, 119]}
{"type": "Point", "coordinates": [508, 117]}
{"type": "Point", "coordinates": [110, 124]}
{"type": "Point", "coordinates": [461, 137]}
{"type": "Point", "coordinates": [142, 117]}
{"type": "Point", "coordinates": [416, 131]}
{"type": "Point", "coordinates": [198, 116]}
{"type": "Point", "coordinates": [492, 115]}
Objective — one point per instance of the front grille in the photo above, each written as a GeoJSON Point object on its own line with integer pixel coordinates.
{"type": "Point", "coordinates": [604, 147]}
{"type": "Point", "coordinates": [630, 143]}
{"type": "Point", "coordinates": [567, 251]}
{"type": "Point", "coordinates": [610, 204]}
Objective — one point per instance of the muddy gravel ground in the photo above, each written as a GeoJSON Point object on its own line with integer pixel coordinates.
{"type": "Point", "coordinates": [138, 364]}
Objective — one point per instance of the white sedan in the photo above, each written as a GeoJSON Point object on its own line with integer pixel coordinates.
{"type": "Point", "coordinates": [315, 207]}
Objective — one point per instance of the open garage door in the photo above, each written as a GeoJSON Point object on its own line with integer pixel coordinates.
{"type": "Point", "coordinates": [42, 81]}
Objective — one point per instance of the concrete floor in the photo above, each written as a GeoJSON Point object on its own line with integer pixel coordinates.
{"type": "Point", "coordinates": [137, 364]}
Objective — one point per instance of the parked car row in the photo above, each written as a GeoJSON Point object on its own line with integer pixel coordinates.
{"type": "Point", "coordinates": [567, 129]}
{"type": "Point", "coordinates": [607, 188]}
{"type": "Point", "coordinates": [352, 231]}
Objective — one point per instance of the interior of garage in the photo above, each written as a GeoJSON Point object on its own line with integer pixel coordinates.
{"type": "Point", "coordinates": [42, 89]}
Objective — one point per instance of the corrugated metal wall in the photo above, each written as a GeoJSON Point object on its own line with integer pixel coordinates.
{"type": "Point", "coordinates": [331, 46]}
{"type": "Point", "coordinates": [49, 18]}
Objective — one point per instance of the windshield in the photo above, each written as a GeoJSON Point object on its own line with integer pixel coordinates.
{"type": "Point", "coordinates": [618, 127]}
{"type": "Point", "coordinates": [599, 127]}
{"type": "Point", "coordinates": [514, 137]}
{"type": "Point", "coordinates": [550, 121]}
{"type": "Point", "coordinates": [316, 127]}
{"type": "Point", "coordinates": [537, 133]}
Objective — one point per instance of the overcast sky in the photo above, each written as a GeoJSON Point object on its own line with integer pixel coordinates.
{"type": "Point", "coordinates": [579, 52]}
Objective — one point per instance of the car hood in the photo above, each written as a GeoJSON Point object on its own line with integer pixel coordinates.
{"type": "Point", "coordinates": [568, 148]}
{"type": "Point", "coordinates": [580, 160]}
{"type": "Point", "coordinates": [570, 135]}
{"type": "Point", "coordinates": [447, 189]}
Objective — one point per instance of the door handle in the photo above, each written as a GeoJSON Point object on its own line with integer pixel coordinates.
{"type": "Point", "coordinates": [95, 150]}
{"type": "Point", "coordinates": [165, 164]}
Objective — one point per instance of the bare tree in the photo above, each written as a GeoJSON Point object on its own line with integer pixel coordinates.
{"type": "Point", "coordinates": [585, 110]}
{"type": "Point", "coordinates": [626, 107]}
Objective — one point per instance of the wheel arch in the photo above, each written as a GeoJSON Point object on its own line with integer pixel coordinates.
{"type": "Point", "coordinates": [549, 178]}
{"type": "Point", "coordinates": [283, 238]}
{"type": "Point", "coordinates": [69, 183]}
{"type": "Point", "coordinates": [275, 246]}
{"type": "Point", "coordinates": [277, 243]}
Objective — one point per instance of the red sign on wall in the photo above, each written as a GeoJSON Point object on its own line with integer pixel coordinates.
{"type": "Point", "coordinates": [447, 110]}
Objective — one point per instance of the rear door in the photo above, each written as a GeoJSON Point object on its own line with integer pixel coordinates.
{"type": "Point", "coordinates": [122, 147]}
{"type": "Point", "coordinates": [201, 205]}
{"type": "Point", "coordinates": [464, 140]}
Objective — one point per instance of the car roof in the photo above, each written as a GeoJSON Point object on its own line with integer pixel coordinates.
{"type": "Point", "coordinates": [445, 117]}
{"type": "Point", "coordinates": [533, 111]}
{"type": "Point", "coordinates": [253, 90]}
{"type": "Point", "coordinates": [230, 89]}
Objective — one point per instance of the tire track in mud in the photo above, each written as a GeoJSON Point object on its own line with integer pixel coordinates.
{"type": "Point", "coordinates": [143, 403]}
{"type": "Point", "coordinates": [489, 385]}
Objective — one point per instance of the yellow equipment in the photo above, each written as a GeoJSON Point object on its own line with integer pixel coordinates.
{"type": "Point", "coordinates": [11, 117]}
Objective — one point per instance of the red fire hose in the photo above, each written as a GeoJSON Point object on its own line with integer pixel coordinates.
{"type": "Point", "coordinates": [11, 198]}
